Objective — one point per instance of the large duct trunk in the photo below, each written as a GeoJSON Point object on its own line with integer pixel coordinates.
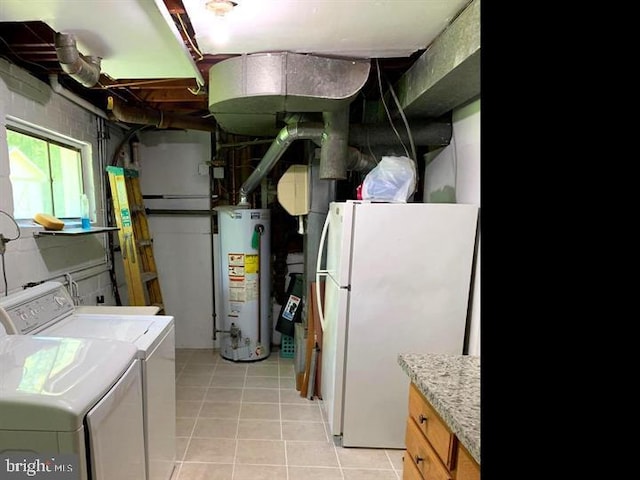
{"type": "Point", "coordinates": [249, 94]}
{"type": "Point", "coordinates": [85, 70]}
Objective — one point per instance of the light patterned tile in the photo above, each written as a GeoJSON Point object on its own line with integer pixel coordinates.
{"type": "Point", "coordinates": [206, 471]}
{"type": "Point", "coordinates": [303, 413]}
{"type": "Point", "coordinates": [395, 457]}
{"type": "Point", "coordinates": [259, 430]}
{"type": "Point", "coordinates": [181, 447]}
{"type": "Point", "coordinates": [261, 395]}
{"type": "Point", "coordinates": [291, 395]}
{"type": "Point", "coordinates": [231, 370]}
{"type": "Point", "coordinates": [259, 472]}
{"type": "Point", "coordinates": [262, 452]}
{"type": "Point", "coordinates": [364, 474]}
{"type": "Point", "coordinates": [286, 382]}
{"type": "Point", "coordinates": [220, 409]}
{"type": "Point", "coordinates": [227, 381]}
{"type": "Point", "coordinates": [262, 411]}
{"type": "Point", "coordinates": [309, 431]}
{"type": "Point", "coordinates": [221, 394]}
{"type": "Point", "coordinates": [263, 370]}
{"type": "Point", "coordinates": [314, 473]}
{"type": "Point", "coordinates": [363, 458]}
{"type": "Point", "coordinates": [216, 450]}
{"type": "Point", "coordinates": [184, 426]}
{"type": "Point", "coordinates": [215, 428]}
{"type": "Point", "coordinates": [264, 382]}
{"type": "Point", "coordinates": [192, 394]}
{"type": "Point", "coordinates": [311, 454]}
{"type": "Point", "coordinates": [185, 408]}
{"type": "Point", "coordinates": [195, 380]}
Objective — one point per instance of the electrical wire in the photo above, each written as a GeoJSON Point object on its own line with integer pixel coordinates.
{"type": "Point", "coordinates": [184, 29]}
{"type": "Point", "coordinates": [4, 241]}
{"type": "Point", "coordinates": [404, 119]}
{"type": "Point", "coordinates": [386, 109]}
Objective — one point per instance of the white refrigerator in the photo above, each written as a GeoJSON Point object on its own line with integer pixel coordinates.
{"type": "Point", "coordinates": [397, 280]}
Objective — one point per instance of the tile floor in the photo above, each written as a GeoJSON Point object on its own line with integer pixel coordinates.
{"type": "Point", "coordinates": [241, 421]}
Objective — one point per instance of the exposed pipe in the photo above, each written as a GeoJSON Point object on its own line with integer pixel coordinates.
{"type": "Point", "coordinates": [157, 118]}
{"type": "Point", "coordinates": [81, 102]}
{"type": "Point", "coordinates": [333, 153]}
{"type": "Point", "coordinates": [424, 133]}
{"type": "Point", "coordinates": [85, 70]}
{"type": "Point", "coordinates": [358, 161]}
{"type": "Point", "coordinates": [286, 137]}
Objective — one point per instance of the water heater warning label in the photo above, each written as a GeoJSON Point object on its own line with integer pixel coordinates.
{"type": "Point", "coordinates": [236, 259]}
{"type": "Point", "coordinates": [251, 264]}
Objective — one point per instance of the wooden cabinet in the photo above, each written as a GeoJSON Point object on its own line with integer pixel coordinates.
{"type": "Point", "coordinates": [432, 450]}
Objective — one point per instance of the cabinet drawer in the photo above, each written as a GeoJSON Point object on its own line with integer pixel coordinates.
{"type": "Point", "coordinates": [422, 455]}
{"type": "Point", "coordinates": [468, 468]}
{"type": "Point", "coordinates": [432, 426]}
{"type": "Point", "coordinates": [409, 469]}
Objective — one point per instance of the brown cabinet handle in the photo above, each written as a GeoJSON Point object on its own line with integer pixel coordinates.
{"type": "Point", "coordinates": [419, 459]}
{"type": "Point", "coordinates": [422, 418]}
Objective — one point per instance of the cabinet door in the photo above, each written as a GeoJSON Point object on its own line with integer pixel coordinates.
{"type": "Point", "coordinates": [467, 469]}
{"type": "Point", "coordinates": [423, 456]}
{"type": "Point", "coordinates": [409, 469]}
{"type": "Point", "coordinates": [432, 426]}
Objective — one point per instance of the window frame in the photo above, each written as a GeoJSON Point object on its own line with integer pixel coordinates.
{"type": "Point", "coordinates": [56, 138]}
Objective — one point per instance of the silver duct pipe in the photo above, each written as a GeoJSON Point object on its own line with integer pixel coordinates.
{"type": "Point", "coordinates": [85, 70]}
{"type": "Point", "coordinates": [333, 155]}
{"type": "Point", "coordinates": [285, 137]}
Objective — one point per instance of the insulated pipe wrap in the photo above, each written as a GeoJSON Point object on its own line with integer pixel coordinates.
{"type": "Point", "coordinates": [333, 154]}
{"type": "Point", "coordinates": [85, 70]}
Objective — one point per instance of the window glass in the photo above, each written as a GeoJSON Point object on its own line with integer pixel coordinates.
{"type": "Point", "coordinates": [46, 176]}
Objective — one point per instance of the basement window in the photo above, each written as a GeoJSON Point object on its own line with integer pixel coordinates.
{"type": "Point", "coordinates": [48, 174]}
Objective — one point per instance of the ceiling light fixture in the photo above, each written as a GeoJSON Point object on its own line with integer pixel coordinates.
{"type": "Point", "coordinates": [220, 7]}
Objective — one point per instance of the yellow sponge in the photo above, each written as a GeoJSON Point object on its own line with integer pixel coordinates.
{"type": "Point", "coordinates": [49, 222]}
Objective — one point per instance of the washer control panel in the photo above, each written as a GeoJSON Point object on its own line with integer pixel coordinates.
{"type": "Point", "coordinates": [32, 309]}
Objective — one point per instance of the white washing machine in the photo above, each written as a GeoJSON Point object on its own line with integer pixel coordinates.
{"type": "Point", "coordinates": [48, 309]}
{"type": "Point", "coordinates": [74, 405]}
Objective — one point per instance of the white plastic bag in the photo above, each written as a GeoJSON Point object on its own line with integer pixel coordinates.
{"type": "Point", "coordinates": [392, 180]}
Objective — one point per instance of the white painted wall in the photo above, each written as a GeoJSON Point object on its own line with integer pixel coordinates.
{"type": "Point", "coordinates": [182, 244]}
{"type": "Point", "coordinates": [28, 259]}
{"type": "Point", "coordinates": [454, 175]}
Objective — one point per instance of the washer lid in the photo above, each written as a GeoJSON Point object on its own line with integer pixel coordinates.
{"type": "Point", "coordinates": [50, 383]}
{"type": "Point", "coordinates": [145, 331]}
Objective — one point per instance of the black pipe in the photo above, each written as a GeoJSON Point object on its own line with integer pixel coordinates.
{"type": "Point", "coordinates": [424, 133]}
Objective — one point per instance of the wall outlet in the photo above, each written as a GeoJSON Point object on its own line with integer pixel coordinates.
{"type": "Point", "coordinates": [203, 169]}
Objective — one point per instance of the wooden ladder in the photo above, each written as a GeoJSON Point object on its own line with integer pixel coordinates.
{"type": "Point", "coordinates": [136, 243]}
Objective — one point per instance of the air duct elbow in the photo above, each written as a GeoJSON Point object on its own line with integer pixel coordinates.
{"type": "Point", "coordinates": [85, 70]}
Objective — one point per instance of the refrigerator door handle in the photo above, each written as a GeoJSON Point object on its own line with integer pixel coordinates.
{"type": "Point", "coordinates": [319, 271]}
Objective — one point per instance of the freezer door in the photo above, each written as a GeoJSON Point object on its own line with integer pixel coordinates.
{"type": "Point", "coordinates": [333, 348]}
{"type": "Point", "coordinates": [339, 237]}
{"type": "Point", "coordinates": [410, 277]}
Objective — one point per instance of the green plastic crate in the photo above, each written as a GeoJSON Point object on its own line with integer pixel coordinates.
{"type": "Point", "coordinates": [287, 347]}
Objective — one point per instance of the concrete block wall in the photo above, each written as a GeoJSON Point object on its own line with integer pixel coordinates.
{"type": "Point", "coordinates": [28, 100]}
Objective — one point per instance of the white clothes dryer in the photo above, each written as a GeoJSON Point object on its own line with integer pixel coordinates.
{"type": "Point", "coordinates": [74, 404]}
{"type": "Point", "coordinates": [47, 309]}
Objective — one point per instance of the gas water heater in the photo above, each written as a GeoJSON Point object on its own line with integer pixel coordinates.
{"type": "Point", "coordinates": [245, 251]}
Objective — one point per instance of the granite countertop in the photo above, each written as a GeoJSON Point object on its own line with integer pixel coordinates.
{"type": "Point", "coordinates": [451, 383]}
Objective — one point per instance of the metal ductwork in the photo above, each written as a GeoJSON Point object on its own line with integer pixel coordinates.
{"type": "Point", "coordinates": [286, 137]}
{"type": "Point", "coordinates": [157, 118]}
{"type": "Point", "coordinates": [249, 94]}
{"type": "Point", "coordinates": [85, 70]}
